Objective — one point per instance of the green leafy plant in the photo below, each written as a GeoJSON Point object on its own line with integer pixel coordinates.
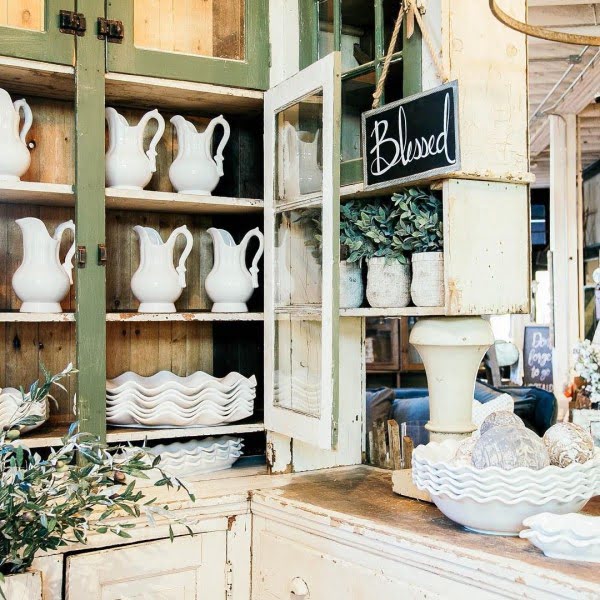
{"type": "Point", "coordinates": [419, 224]}
{"type": "Point", "coordinates": [80, 487]}
{"type": "Point", "coordinates": [367, 229]}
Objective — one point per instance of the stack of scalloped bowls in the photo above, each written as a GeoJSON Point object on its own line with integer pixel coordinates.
{"type": "Point", "coordinates": [167, 400]}
{"type": "Point", "coordinates": [196, 457]}
{"type": "Point", "coordinates": [496, 501]}
{"type": "Point", "coordinates": [13, 409]}
{"type": "Point", "coordinates": [569, 537]}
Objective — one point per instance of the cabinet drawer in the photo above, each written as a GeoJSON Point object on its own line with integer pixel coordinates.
{"type": "Point", "coordinates": [290, 564]}
{"type": "Point", "coordinates": [186, 569]}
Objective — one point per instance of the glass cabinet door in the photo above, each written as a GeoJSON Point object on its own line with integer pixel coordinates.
{"type": "Point", "coordinates": [30, 29]}
{"type": "Point", "coordinates": [302, 148]}
{"type": "Point", "coordinates": [211, 41]}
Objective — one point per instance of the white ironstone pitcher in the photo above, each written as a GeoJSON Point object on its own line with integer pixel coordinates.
{"type": "Point", "coordinates": [41, 282]}
{"type": "Point", "coordinates": [230, 283]}
{"type": "Point", "coordinates": [195, 170]}
{"type": "Point", "coordinates": [14, 154]}
{"type": "Point", "coordinates": [157, 284]}
{"type": "Point", "coordinates": [128, 167]}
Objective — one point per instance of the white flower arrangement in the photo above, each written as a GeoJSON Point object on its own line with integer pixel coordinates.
{"type": "Point", "coordinates": [587, 366]}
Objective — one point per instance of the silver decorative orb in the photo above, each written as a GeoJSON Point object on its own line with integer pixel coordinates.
{"type": "Point", "coordinates": [501, 418]}
{"type": "Point", "coordinates": [568, 443]}
{"type": "Point", "coordinates": [464, 451]}
{"type": "Point", "coordinates": [510, 447]}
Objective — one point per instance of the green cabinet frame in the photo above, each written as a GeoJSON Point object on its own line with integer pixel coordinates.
{"type": "Point", "coordinates": [253, 72]}
{"type": "Point", "coordinates": [49, 45]}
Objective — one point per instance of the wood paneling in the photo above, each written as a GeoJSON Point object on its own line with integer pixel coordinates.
{"type": "Point", "coordinates": [24, 14]}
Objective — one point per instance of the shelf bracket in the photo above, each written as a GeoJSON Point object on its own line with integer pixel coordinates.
{"type": "Point", "coordinates": [110, 30]}
{"type": "Point", "coordinates": [71, 22]}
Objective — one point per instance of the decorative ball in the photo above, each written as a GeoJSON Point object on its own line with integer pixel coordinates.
{"type": "Point", "coordinates": [568, 443]}
{"type": "Point", "coordinates": [501, 418]}
{"type": "Point", "coordinates": [510, 447]}
{"type": "Point", "coordinates": [465, 450]}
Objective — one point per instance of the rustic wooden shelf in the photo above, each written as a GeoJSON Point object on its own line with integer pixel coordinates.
{"type": "Point", "coordinates": [33, 78]}
{"type": "Point", "coordinates": [131, 434]}
{"type": "Point", "coordinates": [167, 94]}
{"type": "Point", "coordinates": [179, 203]}
{"type": "Point", "coordinates": [19, 317]}
{"type": "Point", "coordinates": [49, 435]}
{"type": "Point", "coordinates": [33, 192]}
{"type": "Point", "coordinates": [182, 316]}
{"type": "Point", "coordinates": [409, 311]}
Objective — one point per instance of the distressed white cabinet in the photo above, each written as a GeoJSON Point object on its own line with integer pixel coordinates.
{"type": "Point", "coordinates": [188, 568]}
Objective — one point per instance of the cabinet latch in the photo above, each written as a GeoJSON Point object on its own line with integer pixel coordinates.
{"type": "Point", "coordinates": [81, 256]}
{"type": "Point", "coordinates": [102, 254]}
{"type": "Point", "coordinates": [72, 22]}
{"type": "Point", "coordinates": [110, 30]}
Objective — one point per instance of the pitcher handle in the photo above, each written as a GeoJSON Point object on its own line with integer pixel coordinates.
{"type": "Point", "coordinates": [183, 230]}
{"type": "Point", "coordinates": [58, 233]}
{"type": "Point", "coordinates": [151, 152]}
{"type": "Point", "coordinates": [256, 232]}
{"type": "Point", "coordinates": [218, 157]}
{"type": "Point", "coordinates": [27, 116]}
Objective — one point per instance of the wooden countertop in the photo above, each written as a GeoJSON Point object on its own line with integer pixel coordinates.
{"type": "Point", "coordinates": [360, 499]}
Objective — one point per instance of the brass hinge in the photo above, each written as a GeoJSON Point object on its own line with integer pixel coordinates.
{"type": "Point", "coordinates": [72, 22]}
{"type": "Point", "coordinates": [110, 30]}
{"type": "Point", "coordinates": [228, 580]}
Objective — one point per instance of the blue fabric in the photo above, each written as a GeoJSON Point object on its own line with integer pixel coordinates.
{"type": "Point", "coordinates": [537, 408]}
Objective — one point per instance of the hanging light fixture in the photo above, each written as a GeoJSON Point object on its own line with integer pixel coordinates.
{"type": "Point", "coordinates": [542, 32]}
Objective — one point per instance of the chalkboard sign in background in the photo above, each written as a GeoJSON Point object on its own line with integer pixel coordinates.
{"type": "Point", "coordinates": [537, 357]}
{"type": "Point", "coordinates": [412, 139]}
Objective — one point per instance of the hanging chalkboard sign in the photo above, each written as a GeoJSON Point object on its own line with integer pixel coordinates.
{"type": "Point", "coordinates": [537, 357]}
{"type": "Point", "coordinates": [413, 139]}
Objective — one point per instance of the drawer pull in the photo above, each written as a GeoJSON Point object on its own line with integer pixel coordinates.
{"type": "Point", "coordinates": [299, 589]}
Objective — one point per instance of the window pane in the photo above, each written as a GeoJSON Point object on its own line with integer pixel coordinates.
{"type": "Point", "coordinates": [300, 148]}
{"type": "Point", "coordinates": [298, 257]}
{"type": "Point", "coordinates": [298, 365]}
{"type": "Point", "coordinates": [23, 14]}
{"type": "Point", "coordinates": [357, 97]}
{"type": "Point", "coordinates": [199, 27]}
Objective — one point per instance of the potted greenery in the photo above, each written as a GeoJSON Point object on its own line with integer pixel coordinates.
{"type": "Point", "coordinates": [354, 248]}
{"type": "Point", "coordinates": [419, 231]}
{"type": "Point", "coordinates": [388, 273]}
{"type": "Point", "coordinates": [46, 503]}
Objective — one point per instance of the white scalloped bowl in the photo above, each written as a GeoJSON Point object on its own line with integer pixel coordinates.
{"type": "Point", "coordinates": [564, 547]}
{"type": "Point", "coordinates": [182, 401]}
{"type": "Point", "coordinates": [576, 526]}
{"type": "Point", "coordinates": [12, 409]}
{"type": "Point", "coordinates": [496, 517]}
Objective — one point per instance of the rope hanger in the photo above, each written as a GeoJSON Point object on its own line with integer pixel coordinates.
{"type": "Point", "coordinates": [412, 12]}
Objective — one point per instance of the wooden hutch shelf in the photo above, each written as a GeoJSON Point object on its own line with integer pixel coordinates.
{"type": "Point", "coordinates": [141, 92]}
{"type": "Point", "coordinates": [135, 317]}
{"type": "Point", "coordinates": [51, 434]}
{"type": "Point", "coordinates": [30, 77]}
{"type": "Point", "coordinates": [19, 317]}
{"type": "Point", "coordinates": [409, 311]}
{"type": "Point", "coordinates": [29, 192]}
{"type": "Point", "coordinates": [179, 203]}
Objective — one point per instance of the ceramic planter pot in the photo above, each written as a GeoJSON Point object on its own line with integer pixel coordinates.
{"type": "Point", "coordinates": [352, 290]}
{"type": "Point", "coordinates": [23, 585]}
{"type": "Point", "coordinates": [388, 283]}
{"type": "Point", "coordinates": [427, 287]}
{"type": "Point", "coordinates": [451, 349]}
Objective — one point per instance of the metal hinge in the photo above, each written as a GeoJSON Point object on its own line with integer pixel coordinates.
{"type": "Point", "coordinates": [72, 22]}
{"type": "Point", "coordinates": [110, 30]}
{"type": "Point", "coordinates": [81, 256]}
{"type": "Point", "coordinates": [228, 580]}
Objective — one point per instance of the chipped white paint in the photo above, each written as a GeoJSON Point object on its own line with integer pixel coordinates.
{"type": "Point", "coordinates": [25, 586]}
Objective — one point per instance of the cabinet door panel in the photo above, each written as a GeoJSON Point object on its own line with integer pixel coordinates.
{"type": "Point", "coordinates": [30, 29]}
{"type": "Point", "coordinates": [186, 569]}
{"type": "Point", "coordinates": [302, 145]}
{"type": "Point", "coordinates": [209, 41]}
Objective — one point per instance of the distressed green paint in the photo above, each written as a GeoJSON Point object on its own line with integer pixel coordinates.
{"type": "Point", "coordinates": [308, 13]}
{"type": "Point", "coordinates": [337, 25]}
{"type": "Point", "coordinates": [253, 72]}
{"type": "Point", "coordinates": [48, 46]}
{"type": "Point", "coordinates": [412, 62]}
{"type": "Point", "coordinates": [90, 222]}
{"type": "Point", "coordinates": [351, 171]}
{"type": "Point", "coordinates": [380, 49]}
